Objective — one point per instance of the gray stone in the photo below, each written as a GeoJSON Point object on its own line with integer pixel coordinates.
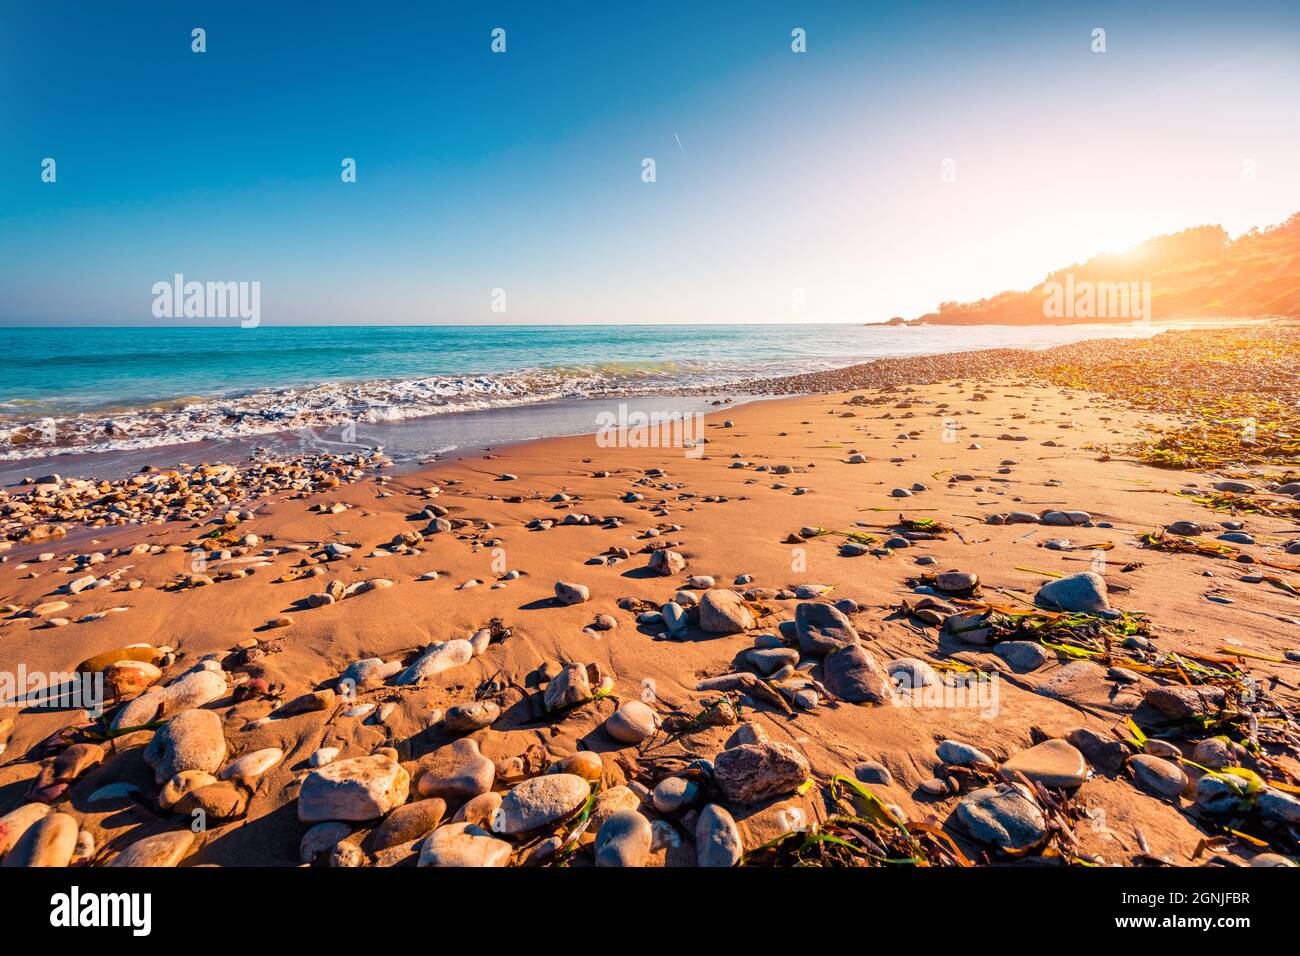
{"type": "Point", "coordinates": [853, 674]}
{"type": "Point", "coordinates": [724, 612]}
{"type": "Point", "coordinates": [191, 740]}
{"type": "Point", "coordinates": [623, 840]}
{"type": "Point", "coordinates": [717, 838]}
{"type": "Point", "coordinates": [1002, 816]}
{"type": "Point", "coordinates": [540, 801]}
{"type": "Point", "coordinates": [1104, 753]}
{"type": "Point", "coordinates": [1181, 702]}
{"type": "Point", "coordinates": [872, 771]}
{"type": "Point", "coordinates": [1084, 591]}
{"type": "Point", "coordinates": [632, 723]}
{"type": "Point", "coordinates": [1022, 656]}
{"type": "Point", "coordinates": [957, 754]}
{"type": "Point", "coordinates": [1164, 778]}
{"type": "Point", "coordinates": [1222, 795]}
{"type": "Point", "coordinates": [822, 628]}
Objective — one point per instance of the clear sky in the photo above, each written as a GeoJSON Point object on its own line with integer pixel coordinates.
{"type": "Point", "coordinates": [776, 171]}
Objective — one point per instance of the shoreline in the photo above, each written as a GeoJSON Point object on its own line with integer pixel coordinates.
{"type": "Point", "coordinates": [413, 440]}
{"type": "Point", "coordinates": [283, 578]}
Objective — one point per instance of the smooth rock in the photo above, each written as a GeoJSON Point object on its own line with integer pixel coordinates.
{"type": "Point", "coordinates": [48, 842]}
{"type": "Point", "coordinates": [162, 849]}
{"type": "Point", "coordinates": [540, 801]}
{"type": "Point", "coordinates": [1022, 656]}
{"type": "Point", "coordinates": [957, 754]}
{"type": "Point", "coordinates": [362, 788]}
{"type": "Point", "coordinates": [455, 771]}
{"type": "Point", "coordinates": [1084, 591]}
{"type": "Point", "coordinates": [1164, 778]}
{"type": "Point", "coordinates": [191, 740]}
{"type": "Point", "coordinates": [1003, 816]}
{"type": "Point", "coordinates": [463, 844]}
{"type": "Point", "coordinates": [717, 838]}
{"type": "Point", "coordinates": [632, 723]}
{"type": "Point", "coordinates": [853, 674]}
{"type": "Point", "coordinates": [1052, 763]}
{"type": "Point", "coordinates": [436, 660]}
{"type": "Point", "coordinates": [408, 822]}
{"type": "Point", "coordinates": [822, 628]}
{"type": "Point", "coordinates": [623, 840]}
{"type": "Point", "coordinates": [724, 612]}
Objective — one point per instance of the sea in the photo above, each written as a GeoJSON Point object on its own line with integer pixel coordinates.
{"type": "Point", "coordinates": [146, 395]}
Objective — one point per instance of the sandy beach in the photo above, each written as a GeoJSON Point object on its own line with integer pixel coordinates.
{"type": "Point", "coordinates": [956, 600]}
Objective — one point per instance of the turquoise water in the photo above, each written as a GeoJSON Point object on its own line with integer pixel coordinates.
{"type": "Point", "coordinates": [93, 389]}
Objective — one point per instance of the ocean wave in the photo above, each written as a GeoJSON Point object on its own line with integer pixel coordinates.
{"type": "Point", "coordinates": [336, 405]}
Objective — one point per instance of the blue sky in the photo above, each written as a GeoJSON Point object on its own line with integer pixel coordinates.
{"type": "Point", "coordinates": [781, 177]}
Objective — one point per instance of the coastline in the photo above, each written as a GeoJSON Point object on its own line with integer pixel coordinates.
{"type": "Point", "coordinates": [426, 434]}
{"type": "Point", "coordinates": [773, 476]}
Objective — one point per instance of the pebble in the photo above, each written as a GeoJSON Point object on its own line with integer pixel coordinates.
{"type": "Point", "coordinates": [1103, 752]}
{"type": "Point", "coordinates": [162, 849]}
{"type": "Point", "coordinates": [623, 839]}
{"type": "Point", "coordinates": [360, 788]}
{"type": "Point", "coordinates": [467, 718]}
{"type": "Point", "coordinates": [1052, 763]}
{"type": "Point", "coordinates": [750, 773]}
{"type": "Point", "coordinates": [1164, 778]}
{"type": "Point", "coordinates": [1002, 816]}
{"type": "Point", "coordinates": [872, 771]}
{"type": "Point", "coordinates": [1221, 795]}
{"type": "Point", "coordinates": [47, 842]}
{"type": "Point", "coordinates": [853, 674]}
{"type": "Point", "coordinates": [16, 822]}
{"type": "Point", "coordinates": [455, 771]}
{"type": "Point", "coordinates": [463, 845]}
{"type": "Point", "coordinates": [571, 686]}
{"type": "Point", "coordinates": [540, 801]}
{"type": "Point", "coordinates": [674, 794]}
{"type": "Point", "coordinates": [822, 628]}
{"type": "Point", "coordinates": [437, 659]}
{"type": "Point", "coordinates": [665, 562]}
{"type": "Point", "coordinates": [908, 673]}
{"type": "Point", "coordinates": [611, 801]}
{"type": "Point", "coordinates": [1181, 702]}
{"type": "Point", "coordinates": [956, 754]}
{"type": "Point", "coordinates": [1022, 656]}
{"type": "Point", "coordinates": [567, 593]}
{"type": "Point", "coordinates": [955, 582]}
{"type": "Point", "coordinates": [1084, 591]}
{"type": "Point", "coordinates": [724, 612]}
{"type": "Point", "coordinates": [717, 838]}
{"type": "Point", "coordinates": [632, 723]}
{"type": "Point", "coordinates": [248, 768]}
{"type": "Point", "coordinates": [479, 810]}
{"type": "Point", "coordinates": [190, 740]}
{"type": "Point", "coordinates": [408, 822]}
